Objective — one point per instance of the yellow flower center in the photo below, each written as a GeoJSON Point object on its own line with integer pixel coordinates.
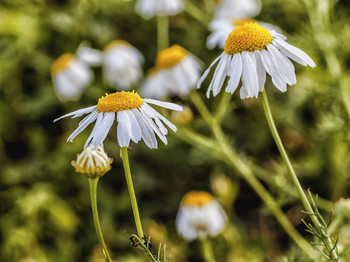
{"type": "Point", "coordinates": [197, 198]}
{"type": "Point", "coordinates": [169, 57]}
{"type": "Point", "coordinates": [119, 101]}
{"type": "Point", "coordinates": [248, 37]}
{"type": "Point", "coordinates": [61, 63]}
{"type": "Point", "coordinates": [116, 42]}
{"type": "Point", "coordinates": [241, 22]}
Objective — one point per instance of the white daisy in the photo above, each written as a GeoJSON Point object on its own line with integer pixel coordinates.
{"type": "Point", "coordinates": [237, 9]}
{"type": "Point", "coordinates": [136, 119]}
{"type": "Point", "coordinates": [200, 215]}
{"type": "Point", "coordinates": [92, 162]}
{"type": "Point", "coordinates": [122, 64]}
{"type": "Point", "coordinates": [149, 8]}
{"type": "Point", "coordinates": [221, 28]}
{"type": "Point", "coordinates": [176, 72]}
{"type": "Point", "coordinates": [250, 52]}
{"type": "Point", "coordinates": [70, 76]}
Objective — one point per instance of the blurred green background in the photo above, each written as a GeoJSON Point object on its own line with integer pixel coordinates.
{"type": "Point", "coordinates": [45, 210]}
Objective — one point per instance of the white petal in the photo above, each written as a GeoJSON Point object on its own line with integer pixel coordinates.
{"type": "Point", "coordinates": [123, 133]}
{"type": "Point", "coordinates": [167, 105]}
{"type": "Point", "coordinates": [103, 129]}
{"type": "Point", "coordinates": [83, 124]}
{"type": "Point", "coordinates": [206, 72]}
{"type": "Point", "coordinates": [249, 76]}
{"type": "Point", "coordinates": [220, 74]}
{"type": "Point", "coordinates": [260, 70]}
{"type": "Point", "coordinates": [236, 73]}
{"type": "Point", "coordinates": [294, 53]}
{"type": "Point", "coordinates": [94, 130]}
{"type": "Point", "coordinates": [159, 116]}
{"type": "Point", "coordinates": [147, 132]}
{"type": "Point", "coordinates": [78, 113]}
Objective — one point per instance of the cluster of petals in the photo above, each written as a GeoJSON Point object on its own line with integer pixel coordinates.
{"type": "Point", "coordinates": [149, 8]}
{"type": "Point", "coordinates": [250, 67]}
{"type": "Point", "coordinates": [179, 79]}
{"type": "Point", "coordinates": [200, 220]}
{"type": "Point", "coordinates": [70, 76]}
{"type": "Point", "coordinates": [237, 9]}
{"type": "Point", "coordinates": [140, 123]}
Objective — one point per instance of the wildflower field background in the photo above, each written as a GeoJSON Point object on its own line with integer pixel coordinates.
{"type": "Point", "coordinates": [45, 210]}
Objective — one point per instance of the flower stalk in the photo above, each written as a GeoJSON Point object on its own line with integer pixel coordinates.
{"type": "Point", "coordinates": [309, 209]}
{"type": "Point", "coordinates": [134, 206]}
{"type": "Point", "coordinates": [93, 197]}
{"type": "Point", "coordinates": [162, 32]}
{"type": "Point", "coordinates": [207, 249]}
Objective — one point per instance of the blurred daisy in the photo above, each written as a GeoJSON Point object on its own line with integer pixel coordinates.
{"type": "Point", "coordinates": [176, 72]}
{"type": "Point", "coordinates": [122, 64]}
{"type": "Point", "coordinates": [250, 51]}
{"type": "Point", "coordinates": [221, 28]}
{"type": "Point", "coordinates": [92, 162]}
{"type": "Point", "coordinates": [135, 117]}
{"type": "Point", "coordinates": [237, 9]}
{"type": "Point", "coordinates": [149, 8]}
{"type": "Point", "coordinates": [70, 76]}
{"type": "Point", "coordinates": [200, 215]}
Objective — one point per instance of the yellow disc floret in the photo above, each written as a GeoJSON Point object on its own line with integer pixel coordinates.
{"type": "Point", "coordinates": [116, 42]}
{"type": "Point", "coordinates": [170, 57]}
{"type": "Point", "coordinates": [248, 37]}
{"type": "Point", "coordinates": [197, 198]}
{"type": "Point", "coordinates": [61, 63]}
{"type": "Point", "coordinates": [240, 22]}
{"type": "Point", "coordinates": [119, 101]}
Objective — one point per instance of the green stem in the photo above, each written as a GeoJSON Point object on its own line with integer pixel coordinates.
{"type": "Point", "coordinates": [196, 13]}
{"type": "Point", "coordinates": [233, 160]}
{"type": "Point", "coordinates": [162, 32]}
{"type": "Point", "coordinates": [135, 209]}
{"type": "Point", "coordinates": [302, 195]}
{"type": "Point", "coordinates": [93, 192]}
{"type": "Point", "coordinates": [207, 249]}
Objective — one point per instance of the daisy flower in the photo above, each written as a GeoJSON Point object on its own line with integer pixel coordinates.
{"type": "Point", "coordinates": [200, 215]}
{"type": "Point", "coordinates": [221, 28]}
{"type": "Point", "coordinates": [122, 64]}
{"type": "Point", "coordinates": [237, 9]}
{"type": "Point", "coordinates": [149, 8]}
{"type": "Point", "coordinates": [136, 119]}
{"type": "Point", "coordinates": [70, 76]}
{"type": "Point", "coordinates": [93, 162]}
{"type": "Point", "coordinates": [250, 52]}
{"type": "Point", "coordinates": [176, 72]}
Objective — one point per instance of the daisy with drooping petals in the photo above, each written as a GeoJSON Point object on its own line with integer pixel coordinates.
{"type": "Point", "coordinates": [70, 76]}
{"type": "Point", "coordinates": [200, 215]}
{"type": "Point", "coordinates": [221, 28]}
{"type": "Point", "coordinates": [135, 117]}
{"type": "Point", "coordinates": [176, 73]}
{"type": "Point", "coordinates": [250, 52]}
{"type": "Point", "coordinates": [237, 9]}
{"type": "Point", "coordinates": [122, 64]}
{"type": "Point", "coordinates": [149, 8]}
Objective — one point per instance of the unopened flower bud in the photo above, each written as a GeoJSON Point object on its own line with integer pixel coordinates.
{"type": "Point", "coordinates": [182, 118]}
{"type": "Point", "coordinates": [92, 162]}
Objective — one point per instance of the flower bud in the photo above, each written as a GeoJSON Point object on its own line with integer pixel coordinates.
{"type": "Point", "coordinates": [92, 162]}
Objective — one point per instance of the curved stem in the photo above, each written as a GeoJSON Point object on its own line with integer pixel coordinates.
{"type": "Point", "coordinates": [302, 195]}
{"type": "Point", "coordinates": [207, 250]}
{"type": "Point", "coordinates": [135, 209]}
{"type": "Point", "coordinates": [162, 32]}
{"type": "Point", "coordinates": [233, 160]}
{"type": "Point", "coordinates": [93, 192]}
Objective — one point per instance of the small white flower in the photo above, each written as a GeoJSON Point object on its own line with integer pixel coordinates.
{"type": "Point", "coordinates": [250, 52]}
{"type": "Point", "coordinates": [122, 64]}
{"type": "Point", "coordinates": [237, 9]}
{"type": "Point", "coordinates": [136, 119]}
{"type": "Point", "coordinates": [149, 8]}
{"type": "Point", "coordinates": [221, 28]}
{"type": "Point", "coordinates": [70, 76]}
{"type": "Point", "coordinates": [176, 72]}
{"type": "Point", "coordinates": [200, 215]}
